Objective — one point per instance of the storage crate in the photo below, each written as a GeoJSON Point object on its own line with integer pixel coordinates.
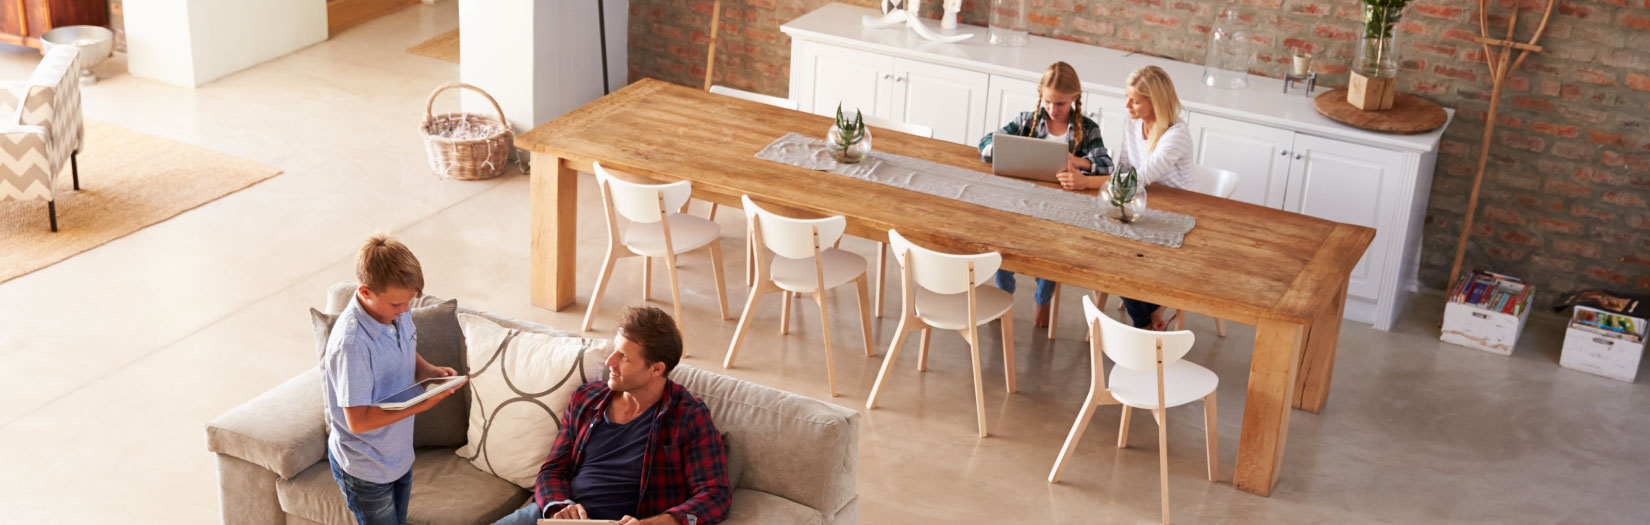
{"type": "Point", "coordinates": [1603, 352]}
{"type": "Point", "coordinates": [1486, 330]}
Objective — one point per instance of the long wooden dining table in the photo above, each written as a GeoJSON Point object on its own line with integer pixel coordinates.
{"type": "Point", "coordinates": [1282, 272]}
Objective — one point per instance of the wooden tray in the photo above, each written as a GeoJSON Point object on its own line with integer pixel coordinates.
{"type": "Point", "coordinates": [1409, 114]}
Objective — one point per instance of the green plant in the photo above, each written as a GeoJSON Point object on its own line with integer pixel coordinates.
{"type": "Point", "coordinates": [1123, 187]}
{"type": "Point", "coordinates": [849, 132]}
{"type": "Point", "coordinates": [1379, 18]}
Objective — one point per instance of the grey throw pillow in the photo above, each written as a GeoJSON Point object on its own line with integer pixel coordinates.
{"type": "Point", "coordinates": [441, 342]}
{"type": "Point", "coordinates": [736, 462]}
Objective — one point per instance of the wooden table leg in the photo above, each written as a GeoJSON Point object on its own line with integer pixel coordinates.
{"type": "Point", "coordinates": [1318, 360]}
{"type": "Point", "coordinates": [554, 215]}
{"type": "Point", "coordinates": [1266, 409]}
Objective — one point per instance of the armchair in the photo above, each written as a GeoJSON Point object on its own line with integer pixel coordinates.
{"type": "Point", "coordinates": [40, 129]}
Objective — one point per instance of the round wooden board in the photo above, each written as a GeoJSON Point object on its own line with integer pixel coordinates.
{"type": "Point", "coordinates": [1409, 114]}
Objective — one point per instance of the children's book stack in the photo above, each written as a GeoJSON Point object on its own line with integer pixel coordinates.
{"type": "Point", "coordinates": [1604, 343]}
{"type": "Point", "coordinates": [1487, 310]}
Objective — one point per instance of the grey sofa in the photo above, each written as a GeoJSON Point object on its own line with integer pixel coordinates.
{"type": "Point", "coordinates": [794, 457]}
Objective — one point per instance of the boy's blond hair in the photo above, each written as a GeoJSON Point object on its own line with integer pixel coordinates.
{"type": "Point", "coordinates": [384, 262]}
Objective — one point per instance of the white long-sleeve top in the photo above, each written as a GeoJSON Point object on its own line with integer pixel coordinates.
{"type": "Point", "coordinates": [1170, 164]}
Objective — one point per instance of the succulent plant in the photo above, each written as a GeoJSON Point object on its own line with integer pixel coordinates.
{"type": "Point", "coordinates": [849, 132]}
{"type": "Point", "coordinates": [1123, 187]}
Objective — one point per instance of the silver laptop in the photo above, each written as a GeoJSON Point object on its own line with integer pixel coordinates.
{"type": "Point", "coordinates": [1026, 157]}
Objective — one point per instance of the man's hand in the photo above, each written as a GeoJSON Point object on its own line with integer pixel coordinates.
{"type": "Point", "coordinates": [570, 512]}
{"type": "Point", "coordinates": [662, 519]}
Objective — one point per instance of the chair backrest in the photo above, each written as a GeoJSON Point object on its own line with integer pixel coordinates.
{"type": "Point", "coordinates": [640, 202]}
{"type": "Point", "coordinates": [902, 127]}
{"type": "Point", "coordinates": [793, 238]}
{"type": "Point", "coordinates": [1214, 181]}
{"type": "Point", "coordinates": [754, 97]}
{"type": "Point", "coordinates": [1133, 348]}
{"type": "Point", "coordinates": [943, 273]}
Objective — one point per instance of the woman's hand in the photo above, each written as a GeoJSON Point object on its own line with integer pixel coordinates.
{"type": "Point", "coordinates": [1072, 180]}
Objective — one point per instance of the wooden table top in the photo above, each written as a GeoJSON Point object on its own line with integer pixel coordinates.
{"type": "Point", "coordinates": [1241, 262]}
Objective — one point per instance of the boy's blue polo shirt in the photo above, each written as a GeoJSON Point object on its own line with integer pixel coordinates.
{"type": "Point", "coordinates": [365, 361]}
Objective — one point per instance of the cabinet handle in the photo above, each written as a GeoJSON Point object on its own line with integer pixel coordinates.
{"type": "Point", "coordinates": [1284, 153]}
{"type": "Point", "coordinates": [886, 76]}
{"type": "Point", "coordinates": [899, 79]}
{"type": "Point", "coordinates": [1297, 156]}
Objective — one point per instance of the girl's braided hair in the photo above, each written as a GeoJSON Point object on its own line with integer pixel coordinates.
{"type": "Point", "coordinates": [1061, 78]}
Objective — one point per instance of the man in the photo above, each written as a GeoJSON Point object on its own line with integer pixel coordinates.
{"type": "Point", "coordinates": [637, 444]}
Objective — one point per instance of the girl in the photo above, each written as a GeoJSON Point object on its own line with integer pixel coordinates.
{"type": "Point", "coordinates": [1158, 146]}
{"type": "Point", "coordinates": [1058, 117]}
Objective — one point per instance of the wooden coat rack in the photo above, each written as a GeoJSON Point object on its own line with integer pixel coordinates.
{"type": "Point", "coordinates": [1498, 55]}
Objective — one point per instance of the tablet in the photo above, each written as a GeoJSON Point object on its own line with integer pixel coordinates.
{"type": "Point", "coordinates": [418, 392]}
{"type": "Point", "coordinates": [1026, 157]}
{"type": "Point", "coordinates": [576, 522]}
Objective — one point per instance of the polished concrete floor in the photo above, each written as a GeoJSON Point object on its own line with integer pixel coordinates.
{"type": "Point", "coordinates": [119, 356]}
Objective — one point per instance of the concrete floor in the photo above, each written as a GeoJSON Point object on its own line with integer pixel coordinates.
{"type": "Point", "coordinates": [120, 355]}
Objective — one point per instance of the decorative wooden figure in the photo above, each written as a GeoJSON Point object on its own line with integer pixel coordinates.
{"type": "Point", "coordinates": [1497, 54]}
{"type": "Point", "coordinates": [1371, 94]}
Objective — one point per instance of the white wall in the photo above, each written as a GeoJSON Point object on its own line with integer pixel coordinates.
{"type": "Point", "coordinates": [539, 59]}
{"type": "Point", "coordinates": [192, 42]}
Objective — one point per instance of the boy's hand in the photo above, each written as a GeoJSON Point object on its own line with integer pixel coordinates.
{"type": "Point", "coordinates": [426, 371]}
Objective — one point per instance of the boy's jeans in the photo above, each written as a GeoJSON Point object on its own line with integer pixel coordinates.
{"type": "Point", "coordinates": [374, 503]}
{"type": "Point", "coordinates": [1045, 287]}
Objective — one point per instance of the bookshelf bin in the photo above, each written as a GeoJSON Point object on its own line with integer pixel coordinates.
{"type": "Point", "coordinates": [1609, 354]}
{"type": "Point", "coordinates": [1484, 329]}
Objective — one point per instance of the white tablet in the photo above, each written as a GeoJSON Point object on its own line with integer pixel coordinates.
{"type": "Point", "coordinates": [418, 392]}
{"type": "Point", "coordinates": [547, 521]}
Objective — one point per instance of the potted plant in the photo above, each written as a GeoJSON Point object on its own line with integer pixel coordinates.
{"type": "Point", "coordinates": [848, 140]}
{"type": "Point", "coordinates": [1123, 198]}
{"type": "Point", "coordinates": [1375, 67]}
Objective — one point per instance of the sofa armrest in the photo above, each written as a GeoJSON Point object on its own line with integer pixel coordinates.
{"type": "Point", "coordinates": [283, 430]}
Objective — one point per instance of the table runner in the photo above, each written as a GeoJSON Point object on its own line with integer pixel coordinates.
{"type": "Point", "coordinates": [1002, 193]}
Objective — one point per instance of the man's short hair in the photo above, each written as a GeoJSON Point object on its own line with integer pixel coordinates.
{"type": "Point", "coordinates": [384, 262]}
{"type": "Point", "coordinates": [654, 331]}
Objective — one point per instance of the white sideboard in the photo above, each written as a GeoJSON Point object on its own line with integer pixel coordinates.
{"type": "Point", "coordinates": [1287, 156]}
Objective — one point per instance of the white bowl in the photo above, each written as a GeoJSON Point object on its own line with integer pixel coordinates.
{"type": "Point", "coordinates": [95, 43]}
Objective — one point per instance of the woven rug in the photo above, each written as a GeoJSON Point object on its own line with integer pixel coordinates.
{"type": "Point", "coordinates": [443, 47]}
{"type": "Point", "coordinates": [128, 180]}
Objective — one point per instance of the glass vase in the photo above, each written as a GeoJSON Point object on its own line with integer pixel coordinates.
{"type": "Point", "coordinates": [1231, 51]}
{"type": "Point", "coordinates": [1377, 57]}
{"type": "Point", "coordinates": [1129, 212]}
{"type": "Point", "coordinates": [1009, 22]}
{"type": "Point", "coordinates": [851, 153]}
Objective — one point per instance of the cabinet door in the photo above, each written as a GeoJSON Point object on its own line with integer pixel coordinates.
{"type": "Point", "coordinates": [1258, 154]}
{"type": "Point", "coordinates": [1349, 183]}
{"type": "Point", "coordinates": [855, 79]}
{"type": "Point", "coordinates": [1108, 111]}
{"type": "Point", "coordinates": [948, 99]}
{"type": "Point", "coordinates": [1006, 99]}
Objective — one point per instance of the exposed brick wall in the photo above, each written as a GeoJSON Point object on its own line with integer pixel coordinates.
{"type": "Point", "coordinates": [1565, 195]}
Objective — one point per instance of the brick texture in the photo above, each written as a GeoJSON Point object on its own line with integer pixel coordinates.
{"type": "Point", "coordinates": [1566, 190]}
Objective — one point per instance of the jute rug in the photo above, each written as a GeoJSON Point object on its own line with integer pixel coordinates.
{"type": "Point", "coordinates": [128, 181]}
{"type": "Point", "coordinates": [443, 47]}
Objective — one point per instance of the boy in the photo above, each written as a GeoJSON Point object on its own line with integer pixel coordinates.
{"type": "Point", "coordinates": [372, 353]}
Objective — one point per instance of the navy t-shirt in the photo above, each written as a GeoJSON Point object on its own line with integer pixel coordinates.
{"type": "Point", "coordinates": [609, 483]}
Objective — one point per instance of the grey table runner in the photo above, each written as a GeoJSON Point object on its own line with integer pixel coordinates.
{"type": "Point", "coordinates": [1002, 193]}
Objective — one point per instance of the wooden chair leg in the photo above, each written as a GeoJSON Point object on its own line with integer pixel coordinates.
{"type": "Point", "coordinates": [647, 278]}
{"type": "Point", "coordinates": [712, 216]}
{"type": "Point", "coordinates": [888, 361]}
{"type": "Point", "coordinates": [922, 351]}
{"type": "Point", "coordinates": [979, 384]}
{"type": "Point", "coordinates": [1008, 348]}
{"type": "Point", "coordinates": [716, 272]}
{"type": "Point", "coordinates": [864, 312]}
{"type": "Point", "coordinates": [1163, 459]}
{"type": "Point", "coordinates": [51, 213]}
{"type": "Point", "coordinates": [750, 264]}
{"type": "Point", "coordinates": [744, 322]}
{"type": "Point", "coordinates": [74, 168]}
{"type": "Point", "coordinates": [601, 287]}
{"type": "Point", "coordinates": [784, 312]}
{"type": "Point", "coordinates": [1179, 319]}
{"type": "Point", "coordinates": [1054, 310]}
{"type": "Point", "coordinates": [1220, 327]}
{"type": "Point", "coordinates": [675, 296]}
{"type": "Point", "coordinates": [1211, 440]}
{"type": "Point", "coordinates": [882, 263]}
{"type": "Point", "coordinates": [1123, 428]}
{"type": "Point", "coordinates": [1090, 405]}
{"type": "Point", "coordinates": [825, 328]}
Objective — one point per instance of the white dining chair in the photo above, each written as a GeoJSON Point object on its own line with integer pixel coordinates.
{"type": "Point", "coordinates": [949, 292]}
{"type": "Point", "coordinates": [795, 256]}
{"type": "Point", "coordinates": [754, 97]}
{"type": "Point", "coordinates": [882, 248]}
{"type": "Point", "coordinates": [1149, 372]}
{"type": "Point", "coordinates": [655, 229]}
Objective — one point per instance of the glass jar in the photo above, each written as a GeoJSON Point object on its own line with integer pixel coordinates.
{"type": "Point", "coordinates": [1376, 57]}
{"type": "Point", "coordinates": [1129, 212]}
{"type": "Point", "coordinates": [848, 152]}
{"type": "Point", "coordinates": [1231, 51]}
{"type": "Point", "coordinates": [1009, 22]}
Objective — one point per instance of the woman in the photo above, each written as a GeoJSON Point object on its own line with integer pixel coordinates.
{"type": "Point", "coordinates": [1158, 146]}
{"type": "Point", "coordinates": [1058, 117]}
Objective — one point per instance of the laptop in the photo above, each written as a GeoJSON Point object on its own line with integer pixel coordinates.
{"type": "Point", "coordinates": [1026, 157]}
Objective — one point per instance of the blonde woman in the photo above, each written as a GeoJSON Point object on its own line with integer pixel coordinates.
{"type": "Point", "coordinates": [1058, 117]}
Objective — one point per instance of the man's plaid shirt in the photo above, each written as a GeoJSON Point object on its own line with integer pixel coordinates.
{"type": "Point", "coordinates": [684, 471]}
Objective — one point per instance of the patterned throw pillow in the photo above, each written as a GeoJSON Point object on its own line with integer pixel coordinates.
{"type": "Point", "coordinates": [519, 386]}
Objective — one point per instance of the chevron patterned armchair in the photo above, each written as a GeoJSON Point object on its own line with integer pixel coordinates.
{"type": "Point", "coordinates": [40, 130]}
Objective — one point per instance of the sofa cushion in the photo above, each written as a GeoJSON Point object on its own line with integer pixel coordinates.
{"type": "Point", "coordinates": [757, 507]}
{"type": "Point", "coordinates": [445, 489]}
{"type": "Point", "coordinates": [519, 385]}
{"type": "Point", "coordinates": [281, 430]}
{"type": "Point", "coordinates": [735, 457]}
{"type": "Point", "coordinates": [441, 342]}
{"type": "Point", "coordinates": [770, 425]}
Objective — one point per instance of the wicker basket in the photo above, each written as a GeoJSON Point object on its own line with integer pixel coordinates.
{"type": "Point", "coordinates": [481, 149]}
